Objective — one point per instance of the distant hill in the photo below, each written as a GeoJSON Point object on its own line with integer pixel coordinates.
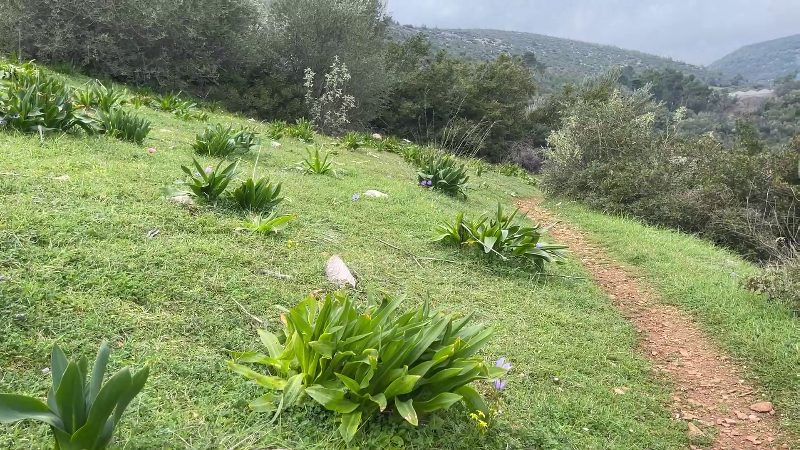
{"type": "Point", "coordinates": [565, 59]}
{"type": "Point", "coordinates": [764, 61]}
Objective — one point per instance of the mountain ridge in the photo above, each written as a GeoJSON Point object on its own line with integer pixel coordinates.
{"type": "Point", "coordinates": [762, 61]}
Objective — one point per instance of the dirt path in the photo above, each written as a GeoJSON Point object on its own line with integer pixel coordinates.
{"type": "Point", "coordinates": [709, 394]}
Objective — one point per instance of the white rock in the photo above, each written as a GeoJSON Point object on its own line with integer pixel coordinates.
{"type": "Point", "coordinates": [338, 273]}
{"type": "Point", "coordinates": [276, 144]}
{"type": "Point", "coordinates": [377, 136]}
{"type": "Point", "coordinates": [376, 194]}
{"type": "Point", "coordinates": [183, 199]}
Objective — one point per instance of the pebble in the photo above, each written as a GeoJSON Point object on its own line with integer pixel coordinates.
{"type": "Point", "coordinates": [694, 432]}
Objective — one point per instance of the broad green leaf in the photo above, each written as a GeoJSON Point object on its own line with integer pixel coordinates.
{"type": "Point", "coordinates": [293, 390]}
{"type": "Point", "coordinates": [402, 385]}
{"type": "Point", "coordinates": [268, 382]}
{"type": "Point", "coordinates": [349, 383]}
{"type": "Point", "coordinates": [323, 348]}
{"type": "Point", "coordinates": [441, 401]}
{"type": "Point", "coordinates": [473, 399]}
{"type": "Point", "coordinates": [443, 354]}
{"type": "Point", "coordinates": [444, 374]}
{"type": "Point", "coordinates": [323, 395]}
{"type": "Point", "coordinates": [19, 407]}
{"type": "Point", "coordinates": [271, 342]}
{"type": "Point", "coordinates": [349, 426]}
{"type": "Point", "coordinates": [407, 411]}
{"type": "Point", "coordinates": [265, 403]}
{"type": "Point", "coordinates": [58, 365]}
{"type": "Point", "coordinates": [98, 372]}
{"type": "Point", "coordinates": [422, 368]}
{"type": "Point", "coordinates": [105, 402]}
{"type": "Point", "coordinates": [380, 400]}
{"type": "Point", "coordinates": [70, 399]}
{"type": "Point", "coordinates": [137, 384]}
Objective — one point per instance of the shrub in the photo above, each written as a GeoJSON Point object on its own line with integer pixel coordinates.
{"type": "Point", "coordinates": [209, 183]}
{"type": "Point", "coordinates": [357, 362]}
{"type": "Point", "coordinates": [331, 107]}
{"type": "Point", "coordinates": [277, 129]}
{"type": "Point", "coordinates": [353, 140]}
{"type": "Point", "coordinates": [499, 237]}
{"type": "Point", "coordinates": [781, 282]}
{"type": "Point", "coordinates": [260, 196]}
{"type": "Point", "coordinates": [107, 98]}
{"type": "Point", "coordinates": [221, 141]}
{"type": "Point", "coordinates": [442, 172]}
{"type": "Point", "coordinates": [81, 415]}
{"type": "Point", "coordinates": [35, 103]}
{"type": "Point", "coordinates": [318, 164]}
{"type": "Point", "coordinates": [123, 125]}
{"type": "Point", "coordinates": [302, 130]}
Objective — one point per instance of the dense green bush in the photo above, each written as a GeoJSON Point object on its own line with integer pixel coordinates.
{"type": "Point", "coordinates": [360, 361]}
{"type": "Point", "coordinates": [781, 282]}
{"type": "Point", "coordinates": [209, 183]}
{"type": "Point", "coordinates": [81, 415]}
{"type": "Point", "coordinates": [258, 196]}
{"type": "Point", "coordinates": [124, 125]}
{"type": "Point", "coordinates": [441, 171]}
{"type": "Point", "coordinates": [610, 154]}
{"type": "Point", "coordinates": [222, 141]}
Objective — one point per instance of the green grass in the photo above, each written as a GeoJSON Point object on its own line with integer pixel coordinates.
{"type": "Point", "coordinates": [705, 281]}
{"type": "Point", "coordinates": [78, 268]}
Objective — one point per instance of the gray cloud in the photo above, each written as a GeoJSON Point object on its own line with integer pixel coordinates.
{"type": "Point", "coordinates": [695, 31]}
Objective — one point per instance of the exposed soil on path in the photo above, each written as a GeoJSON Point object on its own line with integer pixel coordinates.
{"type": "Point", "coordinates": [709, 393]}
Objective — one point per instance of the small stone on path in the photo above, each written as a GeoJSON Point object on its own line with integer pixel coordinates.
{"type": "Point", "coordinates": [761, 407]}
{"type": "Point", "coordinates": [338, 273]}
{"type": "Point", "coordinates": [694, 432]}
{"type": "Point", "coordinates": [375, 194]}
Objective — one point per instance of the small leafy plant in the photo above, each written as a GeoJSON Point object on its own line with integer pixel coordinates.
{"type": "Point", "coordinates": [499, 236]}
{"type": "Point", "coordinates": [440, 171]}
{"type": "Point", "coordinates": [123, 125]}
{"type": "Point", "coordinates": [353, 140]}
{"type": "Point", "coordinates": [277, 130]}
{"type": "Point", "coordinates": [359, 362]}
{"type": "Point", "coordinates": [302, 130]}
{"type": "Point", "coordinates": [210, 183]}
{"type": "Point", "coordinates": [272, 224]}
{"type": "Point", "coordinates": [221, 141]}
{"type": "Point", "coordinates": [81, 415]}
{"type": "Point", "coordinates": [316, 163]}
{"type": "Point", "coordinates": [258, 196]}
{"type": "Point", "coordinates": [107, 98]}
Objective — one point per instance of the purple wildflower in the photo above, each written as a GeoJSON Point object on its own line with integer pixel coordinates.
{"type": "Point", "coordinates": [430, 182]}
{"type": "Point", "coordinates": [356, 197]}
{"type": "Point", "coordinates": [502, 363]}
{"type": "Point", "coordinates": [499, 384]}
{"type": "Point", "coordinates": [209, 170]}
{"type": "Point", "coordinates": [151, 150]}
{"type": "Point", "coordinates": [3, 122]}
{"type": "Point", "coordinates": [539, 245]}
{"type": "Point", "coordinates": [423, 183]}
{"type": "Point", "coordinates": [197, 174]}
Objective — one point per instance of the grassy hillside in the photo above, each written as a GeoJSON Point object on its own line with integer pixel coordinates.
{"type": "Point", "coordinates": [565, 59]}
{"type": "Point", "coordinates": [764, 61]}
{"type": "Point", "coordinates": [78, 267]}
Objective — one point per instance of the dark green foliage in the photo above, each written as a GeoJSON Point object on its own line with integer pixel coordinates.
{"type": "Point", "coordinates": [500, 237]}
{"type": "Point", "coordinates": [81, 415]}
{"type": "Point", "coordinates": [209, 184]}
{"type": "Point", "coordinates": [124, 125]}
{"type": "Point", "coordinates": [676, 89]}
{"type": "Point", "coordinates": [353, 140]}
{"type": "Point", "coordinates": [260, 196]}
{"type": "Point", "coordinates": [107, 98]}
{"type": "Point", "coordinates": [277, 129]}
{"type": "Point", "coordinates": [441, 171]}
{"type": "Point", "coordinates": [357, 362]}
{"type": "Point", "coordinates": [34, 103]}
{"type": "Point", "coordinates": [466, 108]}
{"type": "Point", "coordinates": [221, 141]}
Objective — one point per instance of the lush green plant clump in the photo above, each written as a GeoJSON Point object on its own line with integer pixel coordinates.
{"type": "Point", "coordinates": [500, 237]}
{"type": "Point", "coordinates": [258, 196]}
{"type": "Point", "coordinates": [221, 141]}
{"type": "Point", "coordinates": [32, 102]}
{"type": "Point", "coordinates": [781, 282]}
{"type": "Point", "coordinates": [358, 362]}
{"type": "Point", "coordinates": [302, 130]}
{"type": "Point", "coordinates": [316, 163]}
{"type": "Point", "coordinates": [124, 125]}
{"type": "Point", "coordinates": [441, 171]}
{"type": "Point", "coordinates": [81, 415]}
{"type": "Point", "coordinates": [209, 183]}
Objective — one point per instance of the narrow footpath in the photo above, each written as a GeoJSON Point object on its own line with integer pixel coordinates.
{"type": "Point", "coordinates": [709, 392]}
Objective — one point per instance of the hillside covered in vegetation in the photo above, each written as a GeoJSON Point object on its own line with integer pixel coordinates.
{"type": "Point", "coordinates": [562, 60]}
{"type": "Point", "coordinates": [764, 61]}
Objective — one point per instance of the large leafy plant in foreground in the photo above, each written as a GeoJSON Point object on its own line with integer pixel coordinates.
{"type": "Point", "coordinates": [82, 415]}
{"type": "Point", "coordinates": [358, 362]}
{"type": "Point", "coordinates": [499, 236]}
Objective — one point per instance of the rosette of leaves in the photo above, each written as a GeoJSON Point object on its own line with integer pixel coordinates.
{"type": "Point", "coordinates": [124, 125]}
{"type": "Point", "coordinates": [317, 163]}
{"type": "Point", "coordinates": [357, 363]}
{"type": "Point", "coordinates": [34, 103]}
{"type": "Point", "coordinates": [258, 196]}
{"type": "Point", "coordinates": [81, 415]}
{"type": "Point", "coordinates": [499, 236]}
{"type": "Point", "coordinates": [209, 185]}
{"type": "Point", "coordinates": [444, 172]}
{"type": "Point", "coordinates": [222, 141]}
{"type": "Point", "coordinates": [302, 129]}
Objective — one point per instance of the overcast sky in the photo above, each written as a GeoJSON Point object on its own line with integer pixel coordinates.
{"type": "Point", "coordinates": [695, 31]}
